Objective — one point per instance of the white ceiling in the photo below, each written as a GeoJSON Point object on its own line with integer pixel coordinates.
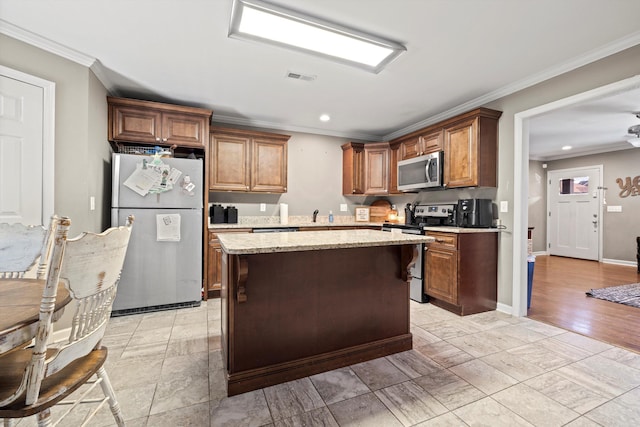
{"type": "Point", "coordinates": [460, 54]}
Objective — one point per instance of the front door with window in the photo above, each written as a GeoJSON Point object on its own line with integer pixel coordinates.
{"type": "Point", "coordinates": [573, 224]}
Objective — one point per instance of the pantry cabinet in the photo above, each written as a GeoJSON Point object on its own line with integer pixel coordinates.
{"type": "Point", "coordinates": [461, 271]}
{"type": "Point", "coordinates": [247, 161]}
{"type": "Point", "coordinates": [155, 123]}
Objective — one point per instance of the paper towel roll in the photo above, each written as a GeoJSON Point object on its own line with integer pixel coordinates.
{"type": "Point", "coordinates": [284, 213]}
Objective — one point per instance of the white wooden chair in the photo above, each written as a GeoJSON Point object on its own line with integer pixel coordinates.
{"type": "Point", "coordinates": [21, 246]}
{"type": "Point", "coordinates": [31, 383]}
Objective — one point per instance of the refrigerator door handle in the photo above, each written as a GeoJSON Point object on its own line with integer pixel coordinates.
{"type": "Point", "coordinates": [115, 190]}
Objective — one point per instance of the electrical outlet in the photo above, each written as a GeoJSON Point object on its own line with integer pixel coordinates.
{"type": "Point", "coordinates": [343, 207]}
{"type": "Point", "coordinates": [614, 208]}
{"type": "Point", "coordinates": [504, 206]}
{"type": "Point", "coordinates": [263, 207]}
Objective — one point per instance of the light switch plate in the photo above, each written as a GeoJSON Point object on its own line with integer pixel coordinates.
{"type": "Point", "coordinates": [504, 206]}
{"type": "Point", "coordinates": [92, 203]}
{"type": "Point", "coordinates": [263, 207]}
{"type": "Point", "coordinates": [614, 208]}
{"type": "Point", "coordinates": [343, 207]}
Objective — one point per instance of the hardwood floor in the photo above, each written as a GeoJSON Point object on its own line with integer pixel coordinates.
{"type": "Point", "coordinates": [558, 298]}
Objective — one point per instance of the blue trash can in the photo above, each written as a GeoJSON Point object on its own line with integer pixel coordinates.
{"type": "Point", "coordinates": [531, 262]}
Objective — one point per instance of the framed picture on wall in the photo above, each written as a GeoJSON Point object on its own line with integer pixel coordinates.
{"type": "Point", "coordinates": [362, 214]}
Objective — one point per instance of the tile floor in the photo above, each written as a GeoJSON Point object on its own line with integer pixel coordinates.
{"type": "Point", "coordinates": [487, 369]}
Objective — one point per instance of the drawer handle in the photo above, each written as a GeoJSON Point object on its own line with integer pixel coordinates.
{"type": "Point", "coordinates": [441, 241]}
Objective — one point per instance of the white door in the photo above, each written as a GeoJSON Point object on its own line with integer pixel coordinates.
{"type": "Point", "coordinates": [573, 223]}
{"type": "Point", "coordinates": [22, 152]}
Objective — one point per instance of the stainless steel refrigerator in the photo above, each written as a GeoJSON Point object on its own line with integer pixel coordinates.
{"type": "Point", "coordinates": [163, 267]}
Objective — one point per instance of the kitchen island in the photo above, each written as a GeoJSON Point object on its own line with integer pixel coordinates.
{"type": "Point", "coordinates": [301, 303]}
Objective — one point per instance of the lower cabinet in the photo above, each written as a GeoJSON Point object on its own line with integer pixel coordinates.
{"type": "Point", "coordinates": [461, 271]}
{"type": "Point", "coordinates": [214, 260]}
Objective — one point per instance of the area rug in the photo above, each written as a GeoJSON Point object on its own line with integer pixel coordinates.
{"type": "Point", "coordinates": [623, 294]}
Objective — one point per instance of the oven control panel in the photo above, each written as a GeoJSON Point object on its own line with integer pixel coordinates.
{"type": "Point", "coordinates": [437, 211]}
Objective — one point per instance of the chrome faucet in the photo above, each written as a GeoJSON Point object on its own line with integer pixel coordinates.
{"type": "Point", "coordinates": [315, 214]}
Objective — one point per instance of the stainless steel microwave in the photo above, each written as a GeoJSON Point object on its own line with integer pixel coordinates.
{"type": "Point", "coordinates": [420, 172]}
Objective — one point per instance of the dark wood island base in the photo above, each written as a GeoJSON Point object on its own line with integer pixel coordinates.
{"type": "Point", "coordinates": [288, 315]}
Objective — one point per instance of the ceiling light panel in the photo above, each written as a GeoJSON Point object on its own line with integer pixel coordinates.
{"type": "Point", "coordinates": [259, 21]}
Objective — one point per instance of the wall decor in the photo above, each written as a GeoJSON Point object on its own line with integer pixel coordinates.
{"type": "Point", "coordinates": [362, 214]}
{"type": "Point", "coordinates": [629, 187]}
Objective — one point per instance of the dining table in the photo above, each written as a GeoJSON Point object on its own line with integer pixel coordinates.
{"type": "Point", "coordinates": [20, 300]}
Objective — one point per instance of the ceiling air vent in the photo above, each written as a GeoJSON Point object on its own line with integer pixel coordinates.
{"type": "Point", "coordinates": [300, 76]}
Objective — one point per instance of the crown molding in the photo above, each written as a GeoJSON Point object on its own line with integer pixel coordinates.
{"type": "Point", "coordinates": [45, 44]}
{"type": "Point", "coordinates": [576, 62]}
{"type": "Point", "coordinates": [240, 121]}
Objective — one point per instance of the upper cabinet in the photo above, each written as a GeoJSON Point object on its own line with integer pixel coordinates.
{"type": "Point", "coordinates": [421, 144]}
{"type": "Point", "coordinates": [469, 143]}
{"type": "Point", "coordinates": [155, 123]}
{"type": "Point", "coordinates": [376, 168]}
{"type": "Point", "coordinates": [352, 168]}
{"type": "Point", "coordinates": [247, 161]}
{"type": "Point", "coordinates": [470, 149]}
{"type": "Point", "coordinates": [369, 169]}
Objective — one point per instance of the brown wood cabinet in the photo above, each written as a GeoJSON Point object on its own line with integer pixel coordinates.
{"type": "Point", "coordinates": [470, 150]}
{"type": "Point", "coordinates": [470, 145]}
{"type": "Point", "coordinates": [352, 168]}
{"type": "Point", "coordinates": [247, 161]}
{"type": "Point", "coordinates": [214, 261]}
{"type": "Point", "coordinates": [421, 144]}
{"type": "Point", "coordinates": [155, 123]}
{"type": "Point", "coordinates": [369, 169]}
{"type": "Point", "coordinates": [461, 271]}
{"type": "Point", "coordinates": [376, 168]}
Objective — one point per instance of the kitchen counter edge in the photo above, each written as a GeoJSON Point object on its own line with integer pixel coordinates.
{"type": "Point", "coordinates": [260, 243]}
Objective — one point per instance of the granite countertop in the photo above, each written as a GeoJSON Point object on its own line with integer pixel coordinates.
{"type": "Point", "coordinates": [303, 222]}
{"type": "Point", "coordinates": [259, 243]}
{"type": "Point", "coordinates": [460, 230]}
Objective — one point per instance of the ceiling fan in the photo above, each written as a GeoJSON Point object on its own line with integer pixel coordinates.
{"type": "Point", "coordinates": [634, 131]}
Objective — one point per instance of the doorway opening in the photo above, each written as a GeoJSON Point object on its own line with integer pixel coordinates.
{"type": "Point", "coordinates": [521, 190]}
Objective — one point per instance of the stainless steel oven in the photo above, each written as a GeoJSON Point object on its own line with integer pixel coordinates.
{"type": "Point", "coordinates": [416, 287]}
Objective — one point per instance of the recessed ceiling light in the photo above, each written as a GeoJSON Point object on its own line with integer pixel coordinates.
{"type": "Point", "coordinates": [325, 118]}
{"type": "Point", "coordinates": [567, 147]}
{"type": "Point", "coordinates": [259, 21]}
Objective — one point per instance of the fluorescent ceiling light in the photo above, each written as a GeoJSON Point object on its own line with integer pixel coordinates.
{"type": "Point", "coordinates": [325, 118]}
{"type": "Point", "coordinates": [567, 147]}
{"type": "Point", "coordinates": [259, 21]}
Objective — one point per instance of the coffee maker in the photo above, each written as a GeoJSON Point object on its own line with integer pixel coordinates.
{"type": "Point", "coordinates": [475, 213]}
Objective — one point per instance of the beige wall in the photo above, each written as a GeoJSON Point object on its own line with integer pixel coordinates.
{"type": "Point", "coordinates": [80, 144]}
{"type": "Point", "coordinates": [619, 229]}
{"type": "Point", "coordinates": [80, 131]}
{"type": "Point", "coordinates": [614, 68]}
{"type": "Point", "coordinates": [538, 205]}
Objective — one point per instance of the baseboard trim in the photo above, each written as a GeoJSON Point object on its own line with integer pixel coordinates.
{"type": "Point", "coordinates": [241, 382]}
{"type": "Point", "coordinates": [504, 308]}
{"type": "Point", "coordinates": [619, 262]}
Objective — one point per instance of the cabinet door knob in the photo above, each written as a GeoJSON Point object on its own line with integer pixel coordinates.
{"type": "Point", "coordinates": [164, 139]}
{"type": "Point", "coordinates": [157, 138]}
